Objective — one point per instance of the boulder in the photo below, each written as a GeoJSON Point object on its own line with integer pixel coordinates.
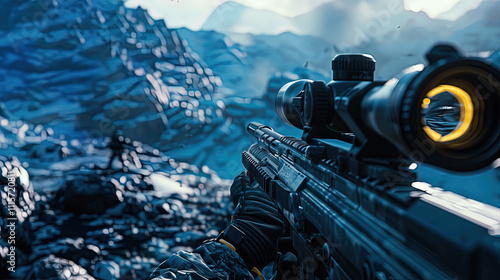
{"type": "Point", "coordinates": [52, 267]}
{"type": "Point", "coordinates": [91, 195]}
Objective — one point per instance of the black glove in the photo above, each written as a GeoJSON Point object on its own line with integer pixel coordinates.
{"type": "Point", "coordinates": [256, 224]}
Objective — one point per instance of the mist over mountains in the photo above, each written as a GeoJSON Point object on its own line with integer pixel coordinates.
{"type": "Point", "coordinates": [335, 21]}
{"type": "Point", "coordinates": [382, 28]}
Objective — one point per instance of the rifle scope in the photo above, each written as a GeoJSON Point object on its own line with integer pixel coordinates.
{"type": "Point", "coordinates": [448, 112]}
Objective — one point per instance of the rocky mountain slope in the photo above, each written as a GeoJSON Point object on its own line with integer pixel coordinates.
{"type": "Point", "coordinates": [71, 72]}
{"type": "Point", "coordinates": [76, 220]}
{"type": "Point", "coordinates": [87, 68]}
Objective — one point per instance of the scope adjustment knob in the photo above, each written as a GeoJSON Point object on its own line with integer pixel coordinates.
{"type": "Point", "coordinates": [318, 104]}
{"type": "Point", "coordinates": [353, 67]}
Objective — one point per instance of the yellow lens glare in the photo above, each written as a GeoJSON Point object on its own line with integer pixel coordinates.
{"type": "Point", "coordinates": [466, 112]}
{"type": "Point", "coordinates": [432, 134]}
{"type": "Point", "coordinates": [425, 103]}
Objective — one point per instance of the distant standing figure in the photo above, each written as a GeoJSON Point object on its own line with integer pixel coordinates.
{"type": "Point", "coordinates": [116, 146]}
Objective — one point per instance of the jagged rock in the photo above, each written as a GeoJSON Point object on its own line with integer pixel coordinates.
{"type": "Point", "coordinates": [135, 233]}
{"type": "Point", "coordinates": [86, 255]}
{"type": "Point", "coordinates": [17, 204]}
{"type": "Point", "coordinates": [107, 270]}
{"type": "Point", "coordinates": [91, 195]}
{"type": "Point", "coordinates": [192, 238]}
{"type": "Point", "coordinates": [52, 267]}
{"type": "Point", "coordinates": [92, 66]}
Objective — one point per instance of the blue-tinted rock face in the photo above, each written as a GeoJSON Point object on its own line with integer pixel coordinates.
{"type": "Point", "coordinates": [71, 72]}
{"type": "Point", "coordinates": [86, 67]}
{"type": "Point", "coordinates": [89, 194]}
{"type": "Point", "coordinates": [17, 205]}
{"type": "Point", "coordinates": [76, 220]}
{"type": "Point", "coordinates": [53, 267]}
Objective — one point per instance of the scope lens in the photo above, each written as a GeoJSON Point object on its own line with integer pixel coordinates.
{"type": "Point", "coordinates": [447, 113]}
{"type": "Point", "coordinates": [284, 102]}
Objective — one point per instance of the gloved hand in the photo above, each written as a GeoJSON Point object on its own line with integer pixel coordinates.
{"type": "Point", "coordinates": [256, 224]}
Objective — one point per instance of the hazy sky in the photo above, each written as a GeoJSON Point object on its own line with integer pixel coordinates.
{"type": "Point", "coordinates": [192, 13]}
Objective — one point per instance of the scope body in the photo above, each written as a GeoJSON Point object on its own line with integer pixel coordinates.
{"type": "Point", "coordinates": [446, 113]}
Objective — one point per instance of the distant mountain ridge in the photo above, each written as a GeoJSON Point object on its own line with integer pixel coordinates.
{"type": "Point", "coordinates": [231, 16]}
{"type": "Point", "coordinates": [354, 25]}
{"type": "Point", "coordinates": [334, 21]}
